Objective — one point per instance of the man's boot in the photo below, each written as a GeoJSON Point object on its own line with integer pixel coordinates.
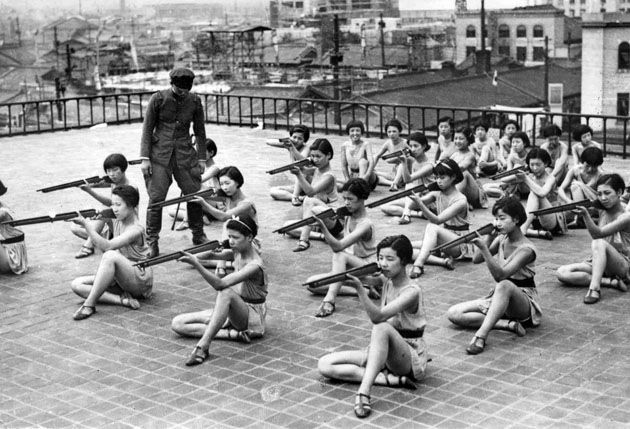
{"type": "Point", "coordinates": [195, 223]}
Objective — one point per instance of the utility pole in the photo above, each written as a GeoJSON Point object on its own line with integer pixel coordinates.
{"type": "Point", "coordinates": [69, 62]}
{"type": "Point", "coordinates": [381, 25]}
{"type": "Point", "coordinates": [546, 84]}
{"type": "Point", "coordinates": [484, 53]}
{"type": "Point", "coordinates": [56, 42]}
{"type": "Point", "coordinates": [335, 59]}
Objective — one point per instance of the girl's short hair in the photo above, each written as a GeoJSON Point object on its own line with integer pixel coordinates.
{"type": "Point", "coordinates": [419, 137]}
{"type": "Point", "coordinates": [324, 146]}
{"type": "Point", "coordinates": [211, 146]}
{"type": "Point", "coordinates": [551, 131]}
{"type": "Point", "coordinates": [355, 124]}
{"type": "Point", "coordinates": [394, 123]}
{"type": "Point", "coordinates": [115, 160]}
{"type": "Point", "coordinates": [580, 130]}
{"type": "Point", "coordinates": [303, 129]}
{"type": "Point", "coordinates": [233, 173]}
{"type": "Point", "coordinates": [512, 207]}
{"type": "Point", "coordinates": [358, 187]}
{"type": "Point", "coordinates": [512, 122]}
{"type": "Point", "coordinates": [592, 156]}
{"type": "Point", "coordinates": [523, 136]}
{"type": "Point", "coordinates": [448, 120]}
{"type": "Point", "coordinates": [400, 244]}
{"type": "Point", "coordinates": [243, 224]}
{"type": "Point", "coordinates": [538, 153]}
{"type": "Point", "coordinates": [483, 124]}
{"type": "Point", "coordinates": [467, 132]}
{"type": "Point", "coordinates": [613, 180]}
{"type": "Point", "coordinates": [448, 167]}
{"type": "Point", "coordinates": [128, 194]}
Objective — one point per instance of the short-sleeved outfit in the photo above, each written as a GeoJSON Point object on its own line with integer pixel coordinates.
{"type": "Point", "coordinates": [554, 200]}
{"type": "Point", "coordinates": [253, 291]}
{"type": "Point", "coordinates": [410, 325]}
{"type": "Point", "coordinates": [354, 153]}
{"type": "Point", "coordinates": [523, 278]}
{"type": "Point", "coordinates": [12, 242]}
{"type": "Point", "coordinates": [460, 223]}
{"type": "Point", "coordinates": [519, 189]}
{"type": "Point", "coordinates": [136, 252]}
{"type": "Point", "coordinates": [482, 199]}
{"type": "Point", "coordinates": [365, 248]}
{"type": "Point", "coordinates": [329, 195]}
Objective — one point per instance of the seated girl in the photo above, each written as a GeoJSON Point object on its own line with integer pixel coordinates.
{"type": "Point", "coordinates": [356, 246]}
{"type": "Point", "coordinates": [513, 301]}
{"type": "Point", "coordinates": [505, 142]}
{"type": "Point", "coordinates": [609, 264]}
{"type": "Point", "coordinates": [13, 258]}
{"type": "Point", "coordinates": [582, 134]}
{"type": "Point", "coordinates": [321, 191]}
{"type": "Point", "coordinates": [465, 158]}
{"type": "Point", "coordinates": [447, 223]}
{"type": "Point", "coordinates": [397, 353]}
{"type": "Point", "coordinates": [117, 280]}
{"type": "Point", "coordinates": [239, 311]}
{"type": "Point", "coordinates": [557, 150]}
{"type": "Point", "coordinates": [485, 150]}
{"type": "Point", "coordinates": [356, 156]}
{"type": "Point", "coordinates": [445, 146]}
{"type": "Point", "coordinates": [518, 157]}
{"type": "Point", "coordinates": [543, 193]}
{"type": "Point", "coordinates": [394, 143]}
{"type": "Point", "coordinates": [298, 149]}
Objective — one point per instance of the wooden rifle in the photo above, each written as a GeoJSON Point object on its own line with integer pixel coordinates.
{"type": "Point", "coordinates": [282, 143]}
{"type": "Point", "coordinates": [509, 172]}
{"type": "Point", "coordinates": [134, 162]}
{"type": "Point", "coordinates": [210, 245]}
{"type": "Point", "coordinates": [398, 153]}
{"type": "Point", "coordinates": [340, 212]}
{"type": "Point", "coordinates": [486, 229]}
{"type": "Point", "coordinates": [567, 207]}
{"type": "Point", "coordinates": [433, 186]}
{"type": "Point", "coordinates": [306, 162]}
{"type": "Point", "coordinates": [90, 213]}
{"type": "Point", "coordinates": [361, 271]}
{"type": "Point", "coordinates": [207, 194]}
{"type": "Point", "coordinates": [94, 180]}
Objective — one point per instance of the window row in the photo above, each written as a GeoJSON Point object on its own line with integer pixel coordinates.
{"type": "Point", "coordinates": [538, 52]}
{"type": "Point", "coordinates": [504, 31]}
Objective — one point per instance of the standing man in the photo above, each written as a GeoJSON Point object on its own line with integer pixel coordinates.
{"type": "Point", "coordinates": [167, 151]}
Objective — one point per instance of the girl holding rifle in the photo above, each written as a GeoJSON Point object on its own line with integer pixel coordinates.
{"type": "Point", "coordinates": [513, 301]}
{"type": "Point", "coordinates": [13, 257]}
{"type": "Point", "coordinates": [517, 158]}
{"type": "Point", "coordinates": [240, 310]}
{"type": "Point", "coordinates": [397, 353]}
{"type": "Point", "coordinates": [609, 264]}
{"type": "Point", "coordinates": [117, 280]}
{"type": "Point", "coordinates": [465, 158]}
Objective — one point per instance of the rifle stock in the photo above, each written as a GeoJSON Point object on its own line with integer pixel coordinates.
{"type": "Point", "coordinates": [134, 162]}
{"type": "Point", "coordinates": [401, 152]}
{"type": "Point", "coordinates": [306, 162]}
{"type": "Point", "coordinates": [418, 188]}
{"type": "Point", "coordinates": [208, 194]}
{"type": "Point", "coordinates": [508, 172]}
{"type": "Point", "coordinates": [88, 181]}
{"type": "Point", "coordinates": [363, 270]}
{"type": "Point", "coordinates": [89, 213]}
{"type": "Point", "coordinates": [567, 207]}
{"type": "Point", "coordinates": [340, 212]}
{"type": "Point", "coordinates": [486, 229]}
{"type": "Point", "coordinates": [210, 245]}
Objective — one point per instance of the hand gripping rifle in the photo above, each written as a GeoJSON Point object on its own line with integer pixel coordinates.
{"type": "Point", "coordinates": [282, 143]}
{"type": "Point", "coordinates": [208, 194]}
{"type": "Point", "coordinates": [398, 153]}
{"type": "Point", "coordinates": [339, 213]}
{"type": "Point", "coordinates": [567, 207]}
{"type": "Point", "coordinates": [90, 213]}
{"type": "Point", "coordinates": [210, 245]}
{"type": "Point", "coordinates": [361, 271]}
{"type": "Point", "coordinates": [88, 181]}
{"type": "Point", "coordinates": [486, 229]}
{"type": "Point", "coordinates": [306, 162]}
{"type": "Point", "coordinates": [509, 172]}
{"type": "Point", "coordinates": [433, 186]}
{"type": "Point", "coordinates": [134, 162]}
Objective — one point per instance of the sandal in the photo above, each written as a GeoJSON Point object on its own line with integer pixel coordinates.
{"type": "Point", "coordinates": [302, 246]}
{"type": "Point", "coordinates": [126, 300]}
{"type": "Point", "coordinates": [398, 380]}
{"type": "Point", "coordinates": [516, 327]}
{"type": "Point", "coordinates": [476, 346]}
{"type": "Point", "coordinates": [416, 271]}
{"type": "Point", "coordinates": [404, 220]}
{"type": "Point", "coordinates": [449, 264]}
{"type": "Point", "coordinates": [326, 308]}
{"type": "Point", "coordinates": [182, 226]}
{"type": "Point", "coordinates": [393, 188]}
{"type": "Point", "coordinates": [362, 407]}
{"type": "Point", "coordinates": [84, 312]}
{"type": "Point", "coordinates": [84, 252]}
{"type": "Point", "coordinates": [295, 201]}
{"type": "Point", "coordinates": [198, 356]}
{"type": "Point", "coordinates": [592, 296]}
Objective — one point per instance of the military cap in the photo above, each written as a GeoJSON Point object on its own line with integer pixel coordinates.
{"type": "Point", "coordinates": [182, 78]}
{"type": "Point", "coordinates": [182, 72]}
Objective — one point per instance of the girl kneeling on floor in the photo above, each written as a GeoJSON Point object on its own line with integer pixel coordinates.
{"type": "Point", "coordinates": [513, 301]}
{"type": "Point", "coordinates": [117, 280]}
{"type": "Point", "coordinates": [397, 354]}
{"type": "Point", "coordinates": [609, 264]}
{"type": "Point", "coordinates": [240, 310]}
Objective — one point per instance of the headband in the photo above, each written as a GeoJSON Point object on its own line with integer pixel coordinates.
{"type": "Point", "coordinates": [237, 219]}
{"type": "Point", "coordinates": [445, 165]}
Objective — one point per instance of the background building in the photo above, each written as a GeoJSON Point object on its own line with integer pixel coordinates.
{"type": "Point", "coordinates": [579, 7]}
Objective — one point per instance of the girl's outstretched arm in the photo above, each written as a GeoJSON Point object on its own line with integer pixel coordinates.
{"type": "Point", "coordinates": [219, 283]}
{"type": "Point", "coordinates": [406, 299]}
{"type": "Point", "coordinates": [518, 260]}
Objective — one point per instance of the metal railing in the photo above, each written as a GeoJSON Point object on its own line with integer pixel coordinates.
{"type": "Point", "coordinates": [321, 115]}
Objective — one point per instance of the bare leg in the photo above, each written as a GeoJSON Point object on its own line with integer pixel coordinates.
{"type": "Point", "coordinates": [229, 305]}
{"type": "Point", "coordinates": [507, 297]}
{"type": "Point", "coordinates": [433, 236]}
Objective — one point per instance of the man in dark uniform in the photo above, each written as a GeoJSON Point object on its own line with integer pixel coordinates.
{"type": "Point", "coordinates": [167, 151]}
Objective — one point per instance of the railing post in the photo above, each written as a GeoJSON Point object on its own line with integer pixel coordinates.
{"type": "Point", "coordinates": [409, 120]}
{"type": "Point", "coordinates": [10, 121]}
{"type": "Point", "coordinates": [78, 112]}
{"type": "Point", "coordinates": [23, 118]}
{"type": "Point", "coordinates": [380, 120]}
{"type": "Point", "coordinates": [240, 111]}
{"type": "Point", "coordinates": [91, 111]}
{"type": "Point", "coordinates": [625, 137]}
{"type": "Point", "coordinates": [116, 104]}
{"type": "Point", "coordinates": [128, 108]}
{"type": "Point", "coordinates": [103, 100]}
{"type": "Point", "coordinates": [37, 109]}
{"type": "Point", "coordinates": [275, 114]}
{"type": "Point", "coordinates": [65, 114]}
{"type": "Point", "coordinates": [367, 120]}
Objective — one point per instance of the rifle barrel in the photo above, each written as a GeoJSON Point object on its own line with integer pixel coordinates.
{"type": "Point", "coordinates": [301, 163]}
{"type": "Point", "coordinates": [206, 193]}
{"type": "Point", "coordinates": [55, 218]}
{"type": "Point", "coordinates": [395, 154]}
{"type": "Point", "coordinates": [564, 207]}
{"type": "Point", "coordinates": [401, 194]}
{"type": "Point", "coordinates": [210, 245]}
{"type": "Point", "coordinates": [508, 173]}
{"type": "Point", "coordinates": [73, 184]}
{"type": "Point", "coordinates": [487, 228]}
{"type": "Point", "coordinates": [363, 270]}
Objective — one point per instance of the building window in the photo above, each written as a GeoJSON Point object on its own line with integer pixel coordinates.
{"type": "Point", "coordinates": [471, 31]}
{"type": "Point", "coordinates": [538, 31]}
{"type": "Point", "coordinates": [504, 31]}
{"type": "Point", "coordinates": [470, 50]}
{"type": "Point", "coordinates": [504, 50]}
{"type": "Point", "coordinates": [539, 53]}
{"type": "Point", "coordinates": [521, 31]}
{"type": "Point", "coordinates": [624, 56]}
{"type": "Point", "coordinates": [521, 53]}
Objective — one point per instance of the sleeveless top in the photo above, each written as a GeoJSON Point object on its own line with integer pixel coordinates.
{"type": "Point", "coordinates": [326, 196]}
{"type": "Point", "coordinates": [443, 202]}
{"type": "Point", "coordinates": [620, 240]}
{"type": "Point", "coordinates": [252, 290]}
{"type": "Point", "coordinates": [552, 196]}
{"type": "Point", "coordinates": [362, 248]}
{"type": "Point", "coordinates": [133, 251]}
{"type": "Point", "coordinates": [355, 153]}
{"type": "Point", "coordinates": [446, 151]}
{"type": "Point", "coordinates": [517, 161]}
{"type": "Point", "coordinates": [459, 157]}
{"type": "Point", "coordinates": [251, 212]}
{"type": "Point", "coordinates": [526, 272]}
{"type": "Point", "coordinates": [405, 320]}
{"type": "Point", "coordinates": [416, 166]}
